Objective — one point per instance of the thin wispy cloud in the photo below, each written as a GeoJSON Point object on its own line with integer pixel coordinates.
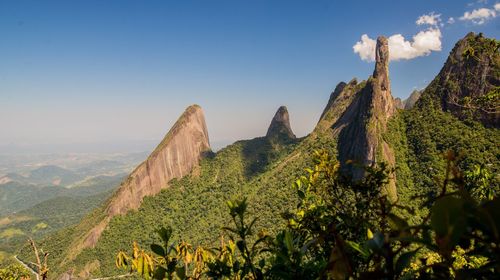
{"type": "Point", "coordinates": [481, 15]}
{"type": "Point", "coordinates": [429, 19]}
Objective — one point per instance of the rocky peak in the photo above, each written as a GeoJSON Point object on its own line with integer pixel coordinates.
{"type": "Point", "coordinates": [381, 85]}
{"type": "Point", "coordinates": [412, 99]}
{"type": "Point", "coordinates": [280, 125]}
{"type": "Point", "coordinates": [333, 96]}
{"type": "Point", "coordinates": [468, 85]}
{"type": "Point", "coordinates": [339, 100]}
{"type": "Point", "coordinates": [177, 154]}
{"type": "Point", "coordinates": [398, 103]}
{"type": "Point", "coordinates": [381, 72]}
{"type": "Point", "coordinates": [362, 124]}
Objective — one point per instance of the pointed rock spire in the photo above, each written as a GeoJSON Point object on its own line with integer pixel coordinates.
{"type": "Point", "coordinates": [381, 71]}
{"type": "Point", "coordinates": [381, 84]}
{"type": "Point", "coordinates": [365, 120]}
{"type": "Point", "coordinates": [177, 154]}
{"type": "Point", "coordinates": [280, 125]}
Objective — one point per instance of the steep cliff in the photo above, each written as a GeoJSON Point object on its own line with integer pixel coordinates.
{"type": "Point", "coordinates": [412, 99]}
{"type": "Point", "coordinates": [398, 103]}
{"type": "Point", "coordinates": [180, 151]}
{"type": "Point", "coordinates": [340, 99]}
{"type": "Point", "coordinates": [361, 126]}
{"type": "Point", "coordinates": [468, 85]}
{"type": "Point", "coordinates": [280, 125]}
{"type": "Point", "coordinates": [355, 123]}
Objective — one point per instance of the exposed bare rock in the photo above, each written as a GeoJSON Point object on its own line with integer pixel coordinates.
{"type": "Point", "coordinates": [333, 97]}
{"type": "Point", "coordinates": [412, 99]}
{"type": "Point", "coordinates": [398, 103]}
{"type": "Point", "coordinates": [469, 83]}
{"type": "Point", "coordinates": [340, 99]}
{"type": "Point", "coordinates": [180, 151]}
{"type": "Point", "coordinates": [280, 125]}
{"type": "Point", "coordinates": [361, 126]}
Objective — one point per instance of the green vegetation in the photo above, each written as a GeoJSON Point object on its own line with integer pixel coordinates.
{"type": "Point", "coordinates": [421, 136]}
{"type": "Point", "coordinates": [10, 233]}
{"type": "Point", "coordinates": [50, 216]}
{"type": "Point", "coordinates": [326, 238]}
{"type": "Point", "coordinates": [479, 47]}
{"type": "Point", "coordinates": [467, 86]}
{"type": "Point", "coordinates": [17, 197]}
{"type": "Point", "coordinates": [260, 169]}
{"type": "Point", "coordinates": [14, 272]}
{"type": "Point", "coordinates": [442, 226]}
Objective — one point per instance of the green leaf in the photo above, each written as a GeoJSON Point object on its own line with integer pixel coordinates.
{"type": "Point", "coordinates": [404, 260]}
{"type": "Point", "coordinates": [165, 234]}
{"type": "Point", "coordinates": [241, 245]}
{"type": "Point", "coordinates": [360, 249]}
{"type": "Point", "coordinates": [448, 220]}
{"type": "Point", "coordinates": [397, 223]}
{"type": "Point", "coordinates": [249, 229]}
{"type": "Point", "coordinates": [171, 266]}
{"type": "Point", "coordinates": [489, 217]}
{"type": "Point", "coordinates": [159, 273]}
{"type": "Point", "coordinates": [288, 241]}
{"type": "Point", "coordinates": [157, 249]}
{"type": "Point", "coordinates": [181, 272]}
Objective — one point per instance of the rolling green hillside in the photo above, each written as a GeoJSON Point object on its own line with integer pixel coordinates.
{"type": "Point", "coordinates": [15, 197]}
{"type": "Point", "coordinates": [54, 213]}
{"type": "Point", "coordinates": [260, 169]}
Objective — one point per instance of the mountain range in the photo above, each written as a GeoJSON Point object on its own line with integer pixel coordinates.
{"type": "Point", "coordinates": [184, 184]}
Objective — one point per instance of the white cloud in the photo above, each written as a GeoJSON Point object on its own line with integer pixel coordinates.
{"type": "Point", "coordinates": [497, 7]}
{"type": "Point", "coordinates": [423, 43]}
{"type": "Point", "coordinates": [451, 20]}
{"type": "Point", "coordinates": [430, 19]}
{"type": "Point", "coordinates": [480, 16]}
{"type": "Point", "coordinates": [365, 48]}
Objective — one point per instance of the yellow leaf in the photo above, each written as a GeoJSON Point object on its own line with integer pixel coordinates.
{"type": "Point", "coordinates": [369, 234]}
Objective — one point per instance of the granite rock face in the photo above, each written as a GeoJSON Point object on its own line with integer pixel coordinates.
{"type": "Point", "coordinates": [412, 99]}
{"type": "Point", "coordinates": [362, 124]}
{"type": "Point", "coordinates": [178, 153]}
{"type": "Point", "coordinates": [398, 103]}
{"type": "Point", "coordinates": [340, 99]}
{"type": "Point", "coordinates": [280, 125]}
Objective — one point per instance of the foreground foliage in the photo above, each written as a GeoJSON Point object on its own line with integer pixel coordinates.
{"type": "Point", "coordinates": [343, 229]}
{"type": "Point", "coordinates": [14, 272]}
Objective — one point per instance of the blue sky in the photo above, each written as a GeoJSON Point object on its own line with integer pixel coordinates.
{"type": "Point", "coordinates": [123, 71]}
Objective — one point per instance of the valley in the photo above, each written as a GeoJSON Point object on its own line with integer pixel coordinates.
{"type": "Point", "coordinates": [359, 124]}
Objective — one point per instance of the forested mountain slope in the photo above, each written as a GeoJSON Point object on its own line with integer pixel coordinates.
{"type": "Point", "coordinates": [360, 123]}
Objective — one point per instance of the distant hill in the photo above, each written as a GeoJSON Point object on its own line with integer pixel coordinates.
{"type": "Point", "coordinates": [49, 175]}
{"type": "Point", "coordinates": [60, 207]}
{"type": "Point", "coordinates": [15, 196]}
